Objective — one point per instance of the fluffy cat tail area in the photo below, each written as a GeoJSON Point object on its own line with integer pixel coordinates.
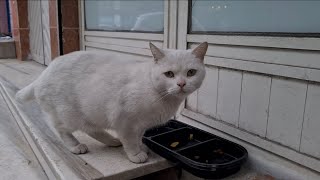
{"type": "Point", "coordinates": [25, 94]}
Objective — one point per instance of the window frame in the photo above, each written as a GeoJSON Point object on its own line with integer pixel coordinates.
{"type": "Point", "coordinates": [125, 31]}
{"type": "Point", "coordinates": [168, 37]}
{"type": "Point", "coordinates": [237, 33]}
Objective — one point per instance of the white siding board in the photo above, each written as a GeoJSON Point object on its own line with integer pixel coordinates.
{"type": "Point", "coordinates": [124, 55]}
{"type": "Point", "coordinates": [308, 59]}
{"type": "Point", "coordinates": [258, 41]}
{"type": "Point", "coordinates": [192, 101]}
{"type": "Point", "coordinates": [182, 24]}
{"type": "Point", "coordinates": [46, 31]}
{"type": "Point", "coordinates": [172, 24]}
{"type": "Point", "coordinates": [229, 91]}
{"type": "Point", "coordinates": [125, 35]}
{"type": "Point", "coordinates": [207, 94]}
{"type": "Point", "coordinates": [310, 140]}
{"type": "Point", "coordinates": [272, 69]}
{"type": "Point", "coordinates": [286, 111]}
{"type": "Point", "coordinates": [123, 42]}
{"type": "Point", "coordinates": [125, 49]}
{"type": "Point", "coordinates": [36, 29]}
{"type": "Point", "coordinates": [254, 103]}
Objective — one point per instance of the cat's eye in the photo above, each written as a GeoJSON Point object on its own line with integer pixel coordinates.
{"type": "Point", "coordinates": [169, 74]}
{"type": "Point", "coordinates": [191, 72]}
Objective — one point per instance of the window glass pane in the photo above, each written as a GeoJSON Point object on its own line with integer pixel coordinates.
{"type": "Point", "coordinates": [124, 15]}
{"type": "Point", "coordinates": [282, 16]}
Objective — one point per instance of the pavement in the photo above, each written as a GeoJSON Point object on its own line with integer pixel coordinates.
{"type": "Point", "coordinates": [17, 160]}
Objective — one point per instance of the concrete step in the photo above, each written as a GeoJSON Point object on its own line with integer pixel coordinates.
{"type": "Point", "coordinates": [17, 158]}
{"type": "Point", "coordinates": [7, 48]}
{"type": "Point", "coordinates": [100, 163]}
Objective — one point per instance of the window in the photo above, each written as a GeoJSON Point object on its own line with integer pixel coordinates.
{"type": "Point", "coordinates": [124, 15]}
{"type": "Point", "coordinates": [266, 17]}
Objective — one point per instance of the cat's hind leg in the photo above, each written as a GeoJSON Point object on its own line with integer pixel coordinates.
{"type": "Point", "coordinates": [65, 135]}
{"type": "Point", "coordinates": [72, 143]}
{"type": "Point", "coordinates": [105, 138]}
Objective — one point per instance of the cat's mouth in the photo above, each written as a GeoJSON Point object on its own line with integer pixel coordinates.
{"type": "Point", "coordinates": [182, 91]}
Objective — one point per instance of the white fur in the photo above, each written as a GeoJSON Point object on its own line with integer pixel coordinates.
{"type": "Point", "coordinates": [92, 91]}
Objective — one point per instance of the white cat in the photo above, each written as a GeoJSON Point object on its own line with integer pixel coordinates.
{"type": "Point", "coordinates": [92, 91]}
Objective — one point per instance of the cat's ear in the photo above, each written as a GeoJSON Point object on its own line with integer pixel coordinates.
{"type": "Point", "coordinates": [200, 51]}
{"type": "Point", "coordinates": [156, 52]}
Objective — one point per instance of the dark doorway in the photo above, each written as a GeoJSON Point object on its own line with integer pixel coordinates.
{"type": "Point", "coordinates": [60, 27]}
{"type": "Point", "coordinates": [5, 27]}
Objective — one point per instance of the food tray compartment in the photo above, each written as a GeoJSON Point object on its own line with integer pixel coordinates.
{"type": "Point", "coordinates": [170, 126]}
{"type": "Point", "coordinates": [214, 151]}
{"type": "Point", "coordinates": [214, 159]}
{"type": "Point", "coordinates": [181, 138]}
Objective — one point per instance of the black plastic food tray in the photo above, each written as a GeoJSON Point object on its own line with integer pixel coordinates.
{"type": "Point", "coordinates": [198, 152]}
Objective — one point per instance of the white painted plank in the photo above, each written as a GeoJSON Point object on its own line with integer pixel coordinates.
{"type": "Point", "coordinates": [254, 103]}
{"type": "Point", "coordinates": [81, 24]}
{"type": "Point", "coordinates": [182, 24]}
{"type": "Point", "coordinates": [124, 55]}
{"type": "Point", "coordinates": [258, 41]}
{"type": "Point", "coordinates": [207, 96]}
{"type": "Point", "coordinates": [125, 49]}
{"type": "Point", "coordinates": [123, 42]}
{"type": "Point", "coordinates": [46, 32]}
{"type": "Point", "coordinates": [192, 101]}
{"type": "Point", "coordinates": [310, 140]}
{"type": "Point", "coordinates": [166, 24]}
{"type": "Point", "coordinates": [229, 90]}
{"type": "Point", "coordinates": [266, 55]}
{"type": "Point", "coordinates": [273, 69]}
{"type": "Point", "coordinates": [286, 110]}
{"type": "Point", "coordinates": [126, 35]}
{"type": "Point", "coordinates": [35, 34]}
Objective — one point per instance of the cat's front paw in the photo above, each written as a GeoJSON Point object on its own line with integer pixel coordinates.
{"type": "Point", "coordinates": [79, 149]}
{"type": "Point", "coordinates": [141, 157]}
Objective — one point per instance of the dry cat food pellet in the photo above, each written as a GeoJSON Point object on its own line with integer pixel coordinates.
{"type": "Point", "coordinates": [191, 137]}
{"type": "Point", "coordinates": [219, 151]}
{"type": "Point", "coordinates": [174, 144]}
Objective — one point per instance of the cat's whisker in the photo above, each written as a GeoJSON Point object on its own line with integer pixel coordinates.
{"type": "Point", "coordinates": [163, 95]}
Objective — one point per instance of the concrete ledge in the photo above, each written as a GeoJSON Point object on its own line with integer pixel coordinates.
{"type": "Point", "coordinates": [100, 163]}
{"type": "Point", "coordinates": [7, 49]}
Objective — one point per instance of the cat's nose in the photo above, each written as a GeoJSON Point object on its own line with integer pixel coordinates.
{"type": "Point", "coordinates": [181, 84]}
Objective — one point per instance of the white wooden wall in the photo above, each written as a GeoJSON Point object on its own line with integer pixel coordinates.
{"type": "Point", "coordinates": [263, 90]}
{"type": "Point", "coordinates": [40, 45]}
{"type": "Point", "coordinates": [35, 35]}
{"type": "Point", "coordinates": [266, 103]}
